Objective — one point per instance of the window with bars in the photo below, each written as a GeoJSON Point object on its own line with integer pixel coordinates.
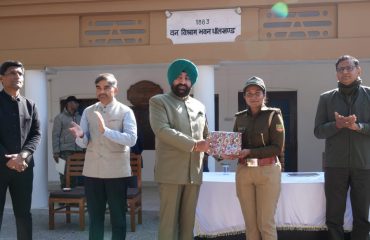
{"type": "Point", "coordinates": [301, 23]}
{"type": "Point", "coordinates": [114, 30]}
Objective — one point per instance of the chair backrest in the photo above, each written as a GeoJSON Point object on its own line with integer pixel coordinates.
{"type": "Point", "coordinates": [74, 166]}
{"type": "Point", "coordinates": [135, 162]}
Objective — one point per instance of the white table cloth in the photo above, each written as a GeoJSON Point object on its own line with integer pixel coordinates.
{"type": "Point", "coordinates": [301, 204]}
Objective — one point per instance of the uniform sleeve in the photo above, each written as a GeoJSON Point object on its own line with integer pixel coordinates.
{"type": "Point", "coordinates": [275, 144]}
{"type": "Point", "coordinates": [324, 128]}
{"type": "Point", "coordinates": [235, 128]}
{"type": "Point", "coordinates": [277, 134]}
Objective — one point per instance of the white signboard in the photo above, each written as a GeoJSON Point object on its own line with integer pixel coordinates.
{"type": "Point", "coordinates": [203, 26]}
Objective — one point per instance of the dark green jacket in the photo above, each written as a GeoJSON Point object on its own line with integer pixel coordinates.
{"type": "Point", "coordinates": [264, 134]}
{"type": "Point", "coordinates": [344, 148]}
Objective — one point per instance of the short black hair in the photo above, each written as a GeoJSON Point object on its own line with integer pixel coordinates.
{"type": "Point", "coordinates": [109, 77]}
{"type": "Point", "coordinates": [347, 57]}
{"type": "Point", "coordinates": [10, 63]}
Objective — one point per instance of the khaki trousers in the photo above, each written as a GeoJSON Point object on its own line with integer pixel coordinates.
{"type": "Point", "coordinates": [258, 190]}
{"type": "Point", "coordinates": [177, 211]}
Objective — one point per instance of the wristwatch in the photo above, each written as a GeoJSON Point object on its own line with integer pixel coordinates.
{"type": "Point", "coordinates": [24, 155]}
{"type": "Point", "coordinates": [361, 126]}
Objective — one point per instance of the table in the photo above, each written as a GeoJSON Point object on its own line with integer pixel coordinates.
{"type": "Point", "coordinates": [301, 205]}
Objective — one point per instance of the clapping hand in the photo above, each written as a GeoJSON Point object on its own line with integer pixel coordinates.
{"type": "Point", "coordinates": [101, 122]}
{"type": "Point", "coordinates": [346, 122]}
{"type": "Point", "coordinates": [76, 130]}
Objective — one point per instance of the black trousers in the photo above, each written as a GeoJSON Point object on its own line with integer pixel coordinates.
{"type": "Point", "coordinates": [99, 192]}
{"type": "Point", "coordinates": [337, 183]}
{"type": "Point", "coordinates": [20, 189]}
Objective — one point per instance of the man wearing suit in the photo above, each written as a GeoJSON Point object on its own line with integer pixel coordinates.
{"type": "Point", "coordinates": [180, 127]}
{"type": "Point", "coordinates": [19, 136]}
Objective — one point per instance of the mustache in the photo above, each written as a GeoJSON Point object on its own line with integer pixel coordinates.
{"type": "Point", "coordinates": [102, 95]}
{"type": "Point", "coordinates": [182, 87]}
{"type": "Point", "coordinates": [180, 90]}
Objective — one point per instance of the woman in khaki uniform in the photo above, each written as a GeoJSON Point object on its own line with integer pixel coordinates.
{"type": "Point", "coordinates": [258, 173]}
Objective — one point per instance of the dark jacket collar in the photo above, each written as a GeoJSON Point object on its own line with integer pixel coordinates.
{"type": "Point", "coordinates": [10, 98]}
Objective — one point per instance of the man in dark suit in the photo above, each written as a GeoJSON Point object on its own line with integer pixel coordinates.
{"type": "Point", "coordinates": [19, 136]}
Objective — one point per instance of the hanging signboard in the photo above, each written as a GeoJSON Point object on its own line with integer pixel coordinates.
{"type": "Point", "coordinates": [203, 26]}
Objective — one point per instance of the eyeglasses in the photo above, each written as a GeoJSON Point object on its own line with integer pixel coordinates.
{"type": "Point", "coordinates": [256, 94]}
{"type": "Point", "coordinates": [347, 68]}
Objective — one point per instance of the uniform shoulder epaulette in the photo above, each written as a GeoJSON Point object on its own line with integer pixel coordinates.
{"type": "Point", "coordinates": [272, 109]}
{"type": "Point", "coordinates": [241, 112]}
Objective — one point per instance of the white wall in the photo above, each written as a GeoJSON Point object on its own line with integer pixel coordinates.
{"type": "Point", "coordinates": [309, 79]}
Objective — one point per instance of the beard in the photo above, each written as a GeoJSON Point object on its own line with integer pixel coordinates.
{"type": "Point", "coordinates": [181, 90]}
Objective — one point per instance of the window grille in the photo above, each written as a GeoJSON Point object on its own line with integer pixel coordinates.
{"type": "Point", "coordinates": [115, 30]}
{"type": "Point", "coordinates": [301, 23]}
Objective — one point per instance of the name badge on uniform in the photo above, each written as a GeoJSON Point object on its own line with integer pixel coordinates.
{"type": "Point", "coordinates": [241, 129]}
{"type": "Point", "coordinates": [252, 162]}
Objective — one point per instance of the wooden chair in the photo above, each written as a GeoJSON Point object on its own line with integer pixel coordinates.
{"type": "Point", "coordinates": [134, 194]}
{"type": "Point", "coordinates": [67, 201]}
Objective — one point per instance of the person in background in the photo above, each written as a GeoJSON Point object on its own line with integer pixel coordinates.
{"type": "Point", "coordinates": [62, 139]}
{"type": "Point", "coordinates": [342, 119]}
{"type": "Point", "coordinates": [258, 173]}
{"type": "Point", "coordinates": [19, 136]}
{"type": "Point", "coordinates": [180, 127]}
{"type": "Point", "coordinates": [108, 130]}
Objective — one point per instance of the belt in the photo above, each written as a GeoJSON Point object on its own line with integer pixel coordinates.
{"type": "Point", "coordinates": [257, 162]}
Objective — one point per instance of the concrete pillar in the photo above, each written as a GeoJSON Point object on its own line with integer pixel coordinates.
{"type": "Point", "coordinates": [36, 89]}
{"type": "Point", "coordinates": [204, 91]}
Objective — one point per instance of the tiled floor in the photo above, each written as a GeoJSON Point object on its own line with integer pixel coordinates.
{"type": "Point", "coordinates": [146, 231]}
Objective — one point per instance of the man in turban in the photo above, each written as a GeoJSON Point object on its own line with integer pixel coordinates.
{"type": "Point", "coordinates": [180, 127]}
